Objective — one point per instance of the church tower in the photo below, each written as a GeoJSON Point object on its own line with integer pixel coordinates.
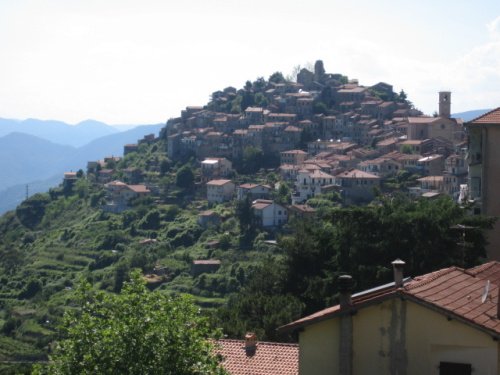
{"type": "Point", "coordinates": [445, 104]}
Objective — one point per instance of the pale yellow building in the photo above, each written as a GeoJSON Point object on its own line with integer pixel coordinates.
{"type": "Point", "coordinates": [442, 323]}
{"type": "Point", "coordinates": [484, 172]}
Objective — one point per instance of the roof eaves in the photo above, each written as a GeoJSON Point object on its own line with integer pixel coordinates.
{"type": "Point", "coordinates": [359, 304]}
{"type": "Point", "coordinates": [450, 314]}
{"type": "Point", "coordinates": [474, 121]}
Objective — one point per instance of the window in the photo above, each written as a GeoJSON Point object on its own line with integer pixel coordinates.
{"type": "Point", "coordinates": [450, 368]}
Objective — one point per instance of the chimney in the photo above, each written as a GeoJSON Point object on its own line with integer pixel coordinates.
{"type": "Point", "coordinates": [345, 289]}
{"type": "Point", "coordinates": [250, 343]}
{"type": "Point", "coordinates": [398, 266]}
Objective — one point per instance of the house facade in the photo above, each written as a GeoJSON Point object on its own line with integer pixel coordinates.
{"type": "Point", "coordinates": [357, 185]}
{"type": "Point", "coordinates": [310, 183]}
{"type": "Point", "coordinates": [484, 179]}
{"type": "Point", "coordinates": [269, 214]}
{"type": "Point", "coordinates": [442, 323]}
{"type": "Point", "coordinates": [254, 191]}
{"type": "Point", "coordinates": [212, 168]}
{"type": "Point", "coordinates": [219, 191]}
{"type": "Point", "coordinates": [118, 195]}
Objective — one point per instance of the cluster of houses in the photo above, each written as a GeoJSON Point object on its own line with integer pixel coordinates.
{"type": "Point", "coordinates": [366, 136]}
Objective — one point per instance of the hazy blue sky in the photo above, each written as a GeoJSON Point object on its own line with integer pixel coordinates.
{"type": "Point", "coordinates": [142, 61]}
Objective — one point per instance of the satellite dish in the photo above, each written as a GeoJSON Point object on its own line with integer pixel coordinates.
{"type": "Point", "coordinates": [486, 291]}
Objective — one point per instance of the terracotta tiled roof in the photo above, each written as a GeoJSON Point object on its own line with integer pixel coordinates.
{"type": "Point", "coordinates": [260, 206]}
{"type": "Point", "coordinates": [421, 120]}
{"type": "Point", "coordinates": [270, 358]}
{"type": "Point", "coordinates": [454, 291]}
{"type": "Point", "coordinates": [139, 188]}
{"type": "Point", "coordinates": [491, 117]}
{"type": "Point", "coordinates": [218, 182]}
{"type": "Point", "coordinates": [356, 173]}
{"type": "Point", "coordinates": [320, 174]}
{"type": "Point", "coordinates": [248, 186]}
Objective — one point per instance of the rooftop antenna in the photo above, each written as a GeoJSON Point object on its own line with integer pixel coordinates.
{"type": "Point", "coordinates": [486, 291]}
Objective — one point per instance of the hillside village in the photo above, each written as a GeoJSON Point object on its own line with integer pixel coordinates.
{"type": "Point", "coordinates": [222, 203]}
{"type": "Point", "coordinates": [322, 134]}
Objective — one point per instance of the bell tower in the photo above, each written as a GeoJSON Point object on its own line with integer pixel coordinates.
{"type": "Point", "coordinates": [445, 104]}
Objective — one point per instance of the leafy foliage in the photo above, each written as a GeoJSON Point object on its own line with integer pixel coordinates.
{"type": "Point", "coordinates": [31, 211]}
{"type": "Point", "coordinates": [262, 305]}
{"type": "Point", "coordinates": [184, 177]}
{"type": "Point", "coordinates": [362, 241]}
{"type": "Point", "coordinates": [135, 332]}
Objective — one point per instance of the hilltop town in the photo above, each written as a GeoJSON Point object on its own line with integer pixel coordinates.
{"type": "Point", "coordinates": [323, 133]}
{"type": "Point", "coordinates": [255, 205]}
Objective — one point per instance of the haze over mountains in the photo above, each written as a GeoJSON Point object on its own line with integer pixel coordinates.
{"type": "Point", "coordinates": [58, 131]}
{"type": "Point", "coordinates": [37, 153]}
{"type": "Point", "coordinates": [470, 115]}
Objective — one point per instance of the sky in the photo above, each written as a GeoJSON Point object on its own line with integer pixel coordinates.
{"type": "Point", "coordinates": [142, 61]}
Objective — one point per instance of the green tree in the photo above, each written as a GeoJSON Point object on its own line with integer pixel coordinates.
{"type": "Point", "coordinates": [252, 160]}
{"type": "Point", "coordinates": [31, 211]}
{"type": "Point", "coordinates": [236, 104]}
{"type": "Point", "coordinates": [363, 241]}
{"type": "Point", "coordinates": [244, 213]}
{"type": "Point", "coordinates": [151, 220]}
{"type": "Point", "coordinates": [262, 305]}
{"type": "Point", "coordinates": [135, 332]}
{"type": "Point", "coordinates": [320, 108]}
{"type": "Point", "coordinates": [260, 84]}
{"type": "Point", "coordinates": [401, 97]}
{"type": "Point", "coordinates": [406, 149]}
{"type": "Point", "coordinates": [184, 177]}
{"type": "Point", "coordinates": [260, 100]}
{"type": "Point", "coordinates": [277, 77]}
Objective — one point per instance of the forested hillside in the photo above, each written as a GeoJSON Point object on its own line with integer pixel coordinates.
{"type": "Point", "coordinates": [260, 279]}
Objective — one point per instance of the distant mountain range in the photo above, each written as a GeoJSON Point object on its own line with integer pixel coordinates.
{"type": "Point", "coordinates": [39, 163]}
{"type": "Point", "coordinates": [58, 131]}
{"type": "Point", "coordinates": [470, 115]}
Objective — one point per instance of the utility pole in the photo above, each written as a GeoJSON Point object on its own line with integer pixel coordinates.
{"type": "Point", "coordinates": [27, 191]}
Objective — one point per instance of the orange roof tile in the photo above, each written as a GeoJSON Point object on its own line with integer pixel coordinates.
{"type": "Point", "coordinates": [491, 117]}
{"type": "Point", "coordinates": [453, 291]}
{"type": "Point", "coordinates": [218, 182]}
{"type": "Point", "coordinates": [270, 358]}
{"type": "Point", "coordinates": [421, 120]}
{"type": "Point", "coordinates": [356, 173]}
{"type": "Point", "coordinates": [139, 188]}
